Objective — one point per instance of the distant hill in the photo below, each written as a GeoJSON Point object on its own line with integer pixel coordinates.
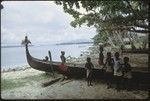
{"type": "Point", "coordinates": [79, 41]}
{"type": "Point", "coordinates": [10, 46]}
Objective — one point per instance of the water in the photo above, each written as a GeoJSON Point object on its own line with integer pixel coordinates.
{"type": "Point", "coordinates": [15, 56]}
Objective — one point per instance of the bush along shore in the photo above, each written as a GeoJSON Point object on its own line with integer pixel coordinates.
{"type": "Point", "coordinates": [27, 83]}
{"type": "Point", "coordinates": [16, 68]}
{"type": "Point", "coordinates": [136, 60]}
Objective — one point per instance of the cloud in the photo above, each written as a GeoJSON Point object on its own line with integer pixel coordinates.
{"type": "Point", "coordinates": [9, 37]}
{"type": "Point", "coordinates": [42, 21]}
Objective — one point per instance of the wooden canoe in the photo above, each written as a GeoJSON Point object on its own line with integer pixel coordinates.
{"type": "Point", "coordinates": [140, 79]}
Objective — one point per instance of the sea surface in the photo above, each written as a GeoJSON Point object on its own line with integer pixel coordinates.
{"type": "Point", "coordinates": [12, 57]}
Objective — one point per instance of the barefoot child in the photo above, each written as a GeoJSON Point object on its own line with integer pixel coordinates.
{"type": "Point", "coordinates": [118, 70]}
{"type": "Point", "coordinates": [109, 63]}
{"type": "Point", "coordinates": [126, 73]}
{"type": "Point", "coordinates": [89, 66]}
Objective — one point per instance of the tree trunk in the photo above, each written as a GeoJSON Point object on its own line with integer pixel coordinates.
{"type": "Point", "coordinates": [145, 42]}
{"type": "Point", "coordinates": [111, 42]}
{"type": "Point", "coordinates": [119, 35]}
{"type": "Point", "coordinates": [115, 39]}
{"type": "Point", "coordinates": [144, 45]}
{"type": "Point", "coordinates": [110, 39]}
{"type": "Point", "coordinates": [131, 42]}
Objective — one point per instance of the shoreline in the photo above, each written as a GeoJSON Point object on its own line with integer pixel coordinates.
{"type": "Point", "coordinates": [16, 68]}
{"type": "Point", "coordinates": [93, 52]}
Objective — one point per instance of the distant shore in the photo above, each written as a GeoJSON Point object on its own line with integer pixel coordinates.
{"type": "Point", "coordinates": [75, 43]}
{"type": "Point", "coordinates": [16, 68]}
{"type": "Point", "coordinates": [10, 46]}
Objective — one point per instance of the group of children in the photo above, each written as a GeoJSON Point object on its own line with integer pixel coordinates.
{"type": "Point", "coordinates": [115, 69]}
{"type": "Point", "coordinates": [118, 70]}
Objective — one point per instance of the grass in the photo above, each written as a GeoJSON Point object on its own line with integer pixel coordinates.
{"type": "Point", "coordinates": [35, 77]}
{"type": "Point", "coordinates": [10, 84]}
{"type": "Point", "coordinates": [16, 83]}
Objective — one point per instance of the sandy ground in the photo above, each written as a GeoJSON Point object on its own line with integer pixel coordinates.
{"type": "Point", "coordinates": [67, 89]}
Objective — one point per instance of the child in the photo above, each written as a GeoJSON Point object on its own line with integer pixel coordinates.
{"type": "Point", "coordinates": [118, 71]}
{"type": "Point", "coordinates": [62, 57]}
{"type": "Point", "coordinates": [89, 67]}
{"type": "Point", "coordinates": [63, 67]}
{"type": "Point", "coordinates": [101, 56]}
{"type": "Point", "coordinates": [109, 63]}
{"type": "Point", "coordinates": [46, 58]}
{"type": "Point", "coordinates": [126, 72]}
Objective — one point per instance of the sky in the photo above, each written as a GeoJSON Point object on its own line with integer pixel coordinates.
{"type": "Point", "coordinates": [43, 22]}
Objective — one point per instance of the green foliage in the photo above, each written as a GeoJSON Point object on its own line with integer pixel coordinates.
{"type": "Point", "coordinates": [100, 38]}
{"type": "Point", "coordinates": [118, 13]}
{"type": "Point", "coordinates": [109, 16]}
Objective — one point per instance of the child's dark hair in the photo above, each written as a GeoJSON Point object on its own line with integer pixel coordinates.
{"type": "Point", "coordinates": [88, 59]}
{"type": "Point", "coordinates": [126, 59]}
{"type": "Point", "coordinates": [63, 52]}
{"type": "Point", "coordinates": [46, 57]}
{"type": "Point", "coordinates": [108, 53]}
{"type": "Point", "coordinates": [117, 54]}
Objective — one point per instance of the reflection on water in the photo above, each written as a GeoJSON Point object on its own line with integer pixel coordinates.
{"type": "Point", "coordinates": [15, 56]}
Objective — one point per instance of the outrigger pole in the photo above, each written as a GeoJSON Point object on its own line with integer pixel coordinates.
{"type": "Point", "coordinates": [50, 57]}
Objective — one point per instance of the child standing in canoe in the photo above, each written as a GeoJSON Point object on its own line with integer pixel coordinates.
{"type": "Point", "coordinates": [63, 67]}
{"type": "Point", "coordinates": [89, 66]}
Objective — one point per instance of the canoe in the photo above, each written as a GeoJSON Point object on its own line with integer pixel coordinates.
{"type": "Point", "coordinates": [139, 80]}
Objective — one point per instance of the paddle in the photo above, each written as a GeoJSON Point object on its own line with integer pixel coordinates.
{"type": "Point", "coordinates": [66, 82]}
{"type": "Point", "coordinates": [51, 82]}
{"type": "Point", "coordinates": [51, 62]}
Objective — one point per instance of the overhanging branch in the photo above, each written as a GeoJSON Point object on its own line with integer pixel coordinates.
{"type": "Point", "coordinates": [125, 29]}
{"type": "Point", "coordinates": [142, 26]}
{"type": "Point", "coordinates": [140, 31]}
